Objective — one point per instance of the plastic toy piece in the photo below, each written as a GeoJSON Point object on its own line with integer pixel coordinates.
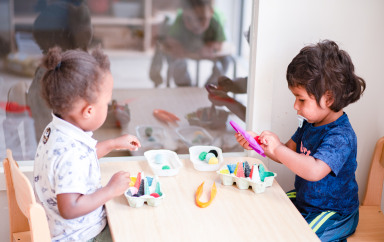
{"type": "Point", "coordinates": [199, 191]}
{"type": "Point", "coordinates": [158, 190]}
{"type": "Point", "coordinates": [231, 168]}
{"type": "Point", "coordinates": [301, 120]}
{"type": "Point", "coordinates": [252, 142]}
{"type": "Point", "coordinates": [255, 177]}
{"type": "Point", "coordinates": [235, 171]}
{"type": "Point", "coordinates": [146, 187]}
{"type": "Point", "coordinates": [240, 171]}
{"type": "Point", "coordinates": [149, 180]}
{"type": "Point", "coordinates": [138, 181]}
{"type": "Point", "coordinates": [264, 173]}
{"type": "Point", "coordinates": [133, 181]}
{"type": "Point", "coordinates": [165, 116]}
{"type": "Point", "coordinates": [224, 171]}
{"type": "Point", "coordinates": [247, 169]}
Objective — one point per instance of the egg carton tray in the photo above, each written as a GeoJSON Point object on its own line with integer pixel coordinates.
{"type": "Point", "coordinates": [244, 183]}
{"type": "Point", "coordinates": [137, 202]}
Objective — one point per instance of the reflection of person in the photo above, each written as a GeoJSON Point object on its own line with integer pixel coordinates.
{"type": "Point", "coordinates": [322, 152]}
{"type": "Point", "coordinates": [78, 87]}
{"type": "Point", "coordinates": [64, 24]}
{"type": "Point", "coordinates": [196, 33]}
{"type": "Point", "coordinates": [218, 95]}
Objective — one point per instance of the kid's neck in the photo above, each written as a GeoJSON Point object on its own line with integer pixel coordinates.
{"type": "Point", "coordinates": [331, 117]}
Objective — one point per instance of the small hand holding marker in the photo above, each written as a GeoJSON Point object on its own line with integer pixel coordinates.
{"type": "Point", "coordinates": [254, 143]}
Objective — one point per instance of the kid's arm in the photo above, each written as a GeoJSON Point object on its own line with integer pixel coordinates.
{"type": "Point", "coordinates": [73, 205]}
{"type": "Point", "coordinates": [174, 48]}
{"type": "Point", "coordinates": [305, 166]}
{"type": "Point", "coordinates": [210, 49]}
{"type": "Point", "coordinates": [291, 144]}
{"type": "Point", "coordinates": [126, 141]}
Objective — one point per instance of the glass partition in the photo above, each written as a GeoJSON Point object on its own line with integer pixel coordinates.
{"type": "Point", "coordinates": [180, 71]}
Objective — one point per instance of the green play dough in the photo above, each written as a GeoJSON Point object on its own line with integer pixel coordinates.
{"type": "Point", "coordinates": [263, 173]}
{"type": "Point", "coordinates": [165, 167]}
{"type": "Point", "coordinates": [203, 155]}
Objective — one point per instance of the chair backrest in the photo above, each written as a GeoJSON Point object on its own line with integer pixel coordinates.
{"type": "Point", "coordinates": [376, 176]}
{"type": "Point", "coordinates": [24, 213]}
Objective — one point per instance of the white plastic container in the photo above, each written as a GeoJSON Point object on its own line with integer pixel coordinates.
{"type": "Point", "coordinates": [194, 135]}
{"type": "Point", "coordinates": [155, 140]}
{"type": "Point", "coordinates": [195, 151]}
{"type": "Point", "coordinates": [167, 157]}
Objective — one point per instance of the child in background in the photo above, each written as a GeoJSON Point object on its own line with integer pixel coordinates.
{"type": "Point", "coordinates": [66, 24]}
{"type": "Point", "coordinates": [196, 33]}
{"type": "Point", "coordinates": [322, 152]}
{"type": "Point", "coordinates": [77, 87]}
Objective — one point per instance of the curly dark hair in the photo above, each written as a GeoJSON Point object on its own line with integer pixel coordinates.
{"type": "Point", "coordinates": [71, 75]}
{"type": "Point", "coordinates": [322, 68]}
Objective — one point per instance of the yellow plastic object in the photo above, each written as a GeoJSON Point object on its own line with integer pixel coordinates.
{"type": "Point", "coordinates": [199, 191]}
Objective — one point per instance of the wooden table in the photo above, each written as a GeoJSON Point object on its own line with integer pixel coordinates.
{"type": "Point", "coordinates": [234, 215]}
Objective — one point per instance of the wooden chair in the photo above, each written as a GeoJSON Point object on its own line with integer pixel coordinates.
{"type": "Point", "coordinates": [371, 223]}
{"type": "Point", "coordinates": [27, 219]}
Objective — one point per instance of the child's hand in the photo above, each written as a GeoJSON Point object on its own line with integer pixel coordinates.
{"type": "Point", "coordinates": [242, 141]}
{"type": "Point", "coordinates": [119, 183]}
{"type": "Point", "coordinates": [269, 142]}
{"type": "Point", "coordinates": [127, 141]}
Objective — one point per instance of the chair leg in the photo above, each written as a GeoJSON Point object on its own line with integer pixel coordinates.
{"type": "Point", "coordinates": [197, 73]}
{"type": "Point", "coordinates": [234, 67]}
{"type": "Point", "coordinates": [169, 74]}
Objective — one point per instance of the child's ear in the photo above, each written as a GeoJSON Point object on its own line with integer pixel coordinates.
{"type": "Point", "coordinates": [329, 98]}
{"type": "Point", "coordinates": [88, 111]}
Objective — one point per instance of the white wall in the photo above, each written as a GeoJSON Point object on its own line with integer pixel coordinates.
{"type": "Point", "coordinates": [283, 28]}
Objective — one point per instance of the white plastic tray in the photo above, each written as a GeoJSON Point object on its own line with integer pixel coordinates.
{"type": "Point", "coordinates": [169, 158]}
{"type": "Point", "coordinates": [155, 141]}
{"type": "Point", "coordinates": [200, 165]}
{"type": "Point", "coordinates": [194, 135]}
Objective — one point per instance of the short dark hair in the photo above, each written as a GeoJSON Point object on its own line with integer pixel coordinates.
{"type": "Point", "coordinates": [71, 75]}
{"type": "Point", "coordinates": [185, 4]}
{"type": "Point", "coordinates": [322, 68]}
{"type": "Point", "coordinates": [64, 24]}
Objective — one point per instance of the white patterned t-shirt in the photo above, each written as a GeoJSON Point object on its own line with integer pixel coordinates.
{"type": "Point", "coordinates": [66, 162]}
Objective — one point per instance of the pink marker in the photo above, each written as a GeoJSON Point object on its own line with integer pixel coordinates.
{"type": "Point", "coordinates": [252, 142]}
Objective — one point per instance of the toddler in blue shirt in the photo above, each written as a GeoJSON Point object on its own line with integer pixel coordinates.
{"type": "Point", "coordinates": [322, 152]}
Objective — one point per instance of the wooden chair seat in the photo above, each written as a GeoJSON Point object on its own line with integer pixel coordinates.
{"type": "Point", "coordinates": [371, 225]}
{"type": "Point", "coordinates": [371, 217]}
{"type": "Point", "coordinates": [27, 218]}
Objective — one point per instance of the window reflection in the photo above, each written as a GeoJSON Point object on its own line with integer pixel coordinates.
{"type": "Point", "coordinates": [179, 70]}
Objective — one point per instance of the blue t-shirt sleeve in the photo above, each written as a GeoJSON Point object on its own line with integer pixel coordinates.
{"type": "Point", "coordinates": [334, 150]}
{"type": "Point", "coordinates": [296, 136]}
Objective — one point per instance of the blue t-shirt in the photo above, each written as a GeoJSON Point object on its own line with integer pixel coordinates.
{"type": "Point", "coordinates": [336, 145]}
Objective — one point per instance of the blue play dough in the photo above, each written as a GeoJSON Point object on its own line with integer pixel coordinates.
{"type": "Point", "coordinates": [231, 168]}
{"type": "Point", "coordinates": [149, 179]}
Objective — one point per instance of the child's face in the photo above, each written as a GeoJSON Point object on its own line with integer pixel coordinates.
{"type": "Point", "coordinates": [101, 105]}
{"type": "Point", "coordinates": [306, 106]}
{"type": "Point", "coordinates": [197, 19]}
